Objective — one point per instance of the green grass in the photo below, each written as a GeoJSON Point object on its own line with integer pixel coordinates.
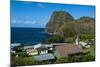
{"type": "Point", "coordinates": [90, 50]}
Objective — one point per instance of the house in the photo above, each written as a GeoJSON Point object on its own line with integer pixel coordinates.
{"type": "Point", "coordinates": [49, 46]}
{"type": "Point", "coordinates": [37, 46]}
{"type": "Point", "coordinates": [84, 44]}
{"type": "Point", "coordinates": [44, 57]}
{"type": "Point", "coordinates": [42, 50]}
{"type": "Point", "coordinates": [59, 44]}
{"type": "Point", "coordinates": [33, 46]}
{"type": "Point", "coordinates": [32, 51]}
{"type": "Point", "coordinates": [13, 52]}
{"type": "Point", "coordinates": [15, 44]}
{"type": "Point", "coordinates": [66, 50]}
{"type": "Point", "coordinates": [45, 48]}
{"type": "Point", "coordinates": [38, 49]}
{"type": "Point", "coordinates": [28, 47]}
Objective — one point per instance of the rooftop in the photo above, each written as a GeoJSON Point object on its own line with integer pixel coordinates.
{"type": "Point", "coordinates": [59, 44]}
{"type": "Point", "coordinates": [67, 49]}
{"type": "Point", "coordinates": [44, 57]}
{"type": "Point", "coordinates": [31, 50]}
{"type": "Point", "coordinates": [28, 47]}
{"type": "Point", "coordinates": [15, 44]}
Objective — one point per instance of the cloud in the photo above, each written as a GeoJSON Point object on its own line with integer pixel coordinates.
{"type": "Point", "coordinates": [21, 21]}
{"type": "Point", "coordinates": [29, 22]}
{"type": "Point", "coordinates": [34, 22]}
{"type": "Point", "coordinates": [40, 5]}
{"type": "Point", "coordinates": [13, 21]}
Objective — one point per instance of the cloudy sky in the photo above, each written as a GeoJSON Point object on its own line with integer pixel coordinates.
{"type": "Point", "coordinates": [37, 14]}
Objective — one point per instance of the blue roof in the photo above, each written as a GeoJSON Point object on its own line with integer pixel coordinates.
{"type": "Point", "coordinates": [44, 57]}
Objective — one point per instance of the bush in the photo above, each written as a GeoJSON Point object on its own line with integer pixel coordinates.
{"type": "Point", "coordinates": [22, 61]}
{"type": "Point", "coordinates": [70, 40]}
{"type": "Point", "coordinates": [62, 60]}
{"type": "Point", "coordinates": [55, 39]}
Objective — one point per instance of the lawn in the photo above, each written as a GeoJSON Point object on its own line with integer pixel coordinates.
{"type": "Point", "coordinates": [90, 50]}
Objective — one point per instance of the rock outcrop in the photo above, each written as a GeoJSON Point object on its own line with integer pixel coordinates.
{"type": "Point", "coordinates": [63, 23]}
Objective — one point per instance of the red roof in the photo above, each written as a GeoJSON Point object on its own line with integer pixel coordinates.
{"type": "Point", "coordinates": [66, 50]}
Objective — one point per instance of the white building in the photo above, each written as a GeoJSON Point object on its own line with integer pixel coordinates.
{"type": "Point", "coordinates": [38, 49]}
{"type": "Point", "coordinates": [32, 51]}
{"type": "Point", "coordinates": [43, 50]}
{"type": "Point", "coordinates": [28, 47]}
{"type": "Point", "coordinates": [37, 46]}
{"type": "Point", "coordinates": [84, 44]}
{"type": "Point", "coordinates": [15, 44]}
{"type": "Point", "coordinates": [13, 51]}
{"type": "Point", "coordinates": [33, 46]}
{"type": "Point", "coordinates": [49, 46]}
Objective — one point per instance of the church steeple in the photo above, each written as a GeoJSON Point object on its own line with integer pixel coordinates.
{"type": "Point", "coordinates": [77, 40]}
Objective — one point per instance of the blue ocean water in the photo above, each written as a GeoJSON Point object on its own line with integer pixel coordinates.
{"type": "Point", "coordinates": [28, 35]}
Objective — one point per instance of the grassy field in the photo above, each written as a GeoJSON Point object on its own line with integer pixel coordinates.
{"type": "Point", "coordinates": [90, 50]}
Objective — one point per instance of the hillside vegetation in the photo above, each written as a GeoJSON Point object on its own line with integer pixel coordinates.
{"type": "Point", "coordinates": [63, 24]}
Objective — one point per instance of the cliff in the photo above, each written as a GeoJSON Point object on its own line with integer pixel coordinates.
{"type": "Point", "coordinates": [58, 19]}
{"type": "Point", "coordinates": [63, 23]}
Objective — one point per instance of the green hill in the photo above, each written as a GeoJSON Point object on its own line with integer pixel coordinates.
{"type": "Point", "coordinates": [63, 24]}
{"type": "Point", "coordinates": [58, 19]}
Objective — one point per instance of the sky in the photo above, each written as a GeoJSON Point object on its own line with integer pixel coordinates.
{"type": "Point", "coordinates": [37, 14]}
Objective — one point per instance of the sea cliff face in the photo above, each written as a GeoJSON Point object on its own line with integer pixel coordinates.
{"type": "Point", "coordinates": [63, 23]}
{"type": "Point", "coordinates": [58, 19]}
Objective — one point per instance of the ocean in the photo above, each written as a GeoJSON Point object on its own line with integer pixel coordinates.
{"type": "Point", "coordinates": [28, 36]}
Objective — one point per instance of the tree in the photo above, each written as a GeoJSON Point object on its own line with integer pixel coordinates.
{"type": "Point", "coordinates": [56, 39]}
{"type": "Point", "coordinates": [62, 60]}
{"type": "Point", "coordinates": [22, 61]}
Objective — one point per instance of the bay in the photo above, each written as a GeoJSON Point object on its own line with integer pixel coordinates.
{"type": "Point", "coordinates": [28, 36]}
